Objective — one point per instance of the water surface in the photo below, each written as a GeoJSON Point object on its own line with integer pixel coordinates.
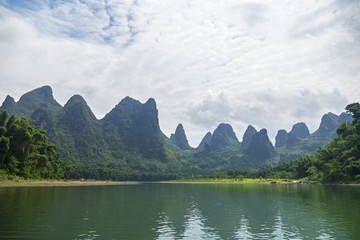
{"type": "Point", "coordinates": [181, 211]}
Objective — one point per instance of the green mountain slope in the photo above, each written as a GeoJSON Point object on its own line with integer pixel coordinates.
{"type": "Point", "coordinates": [129, 139]}
{"type": "Point", "coordinates": [29, 102]}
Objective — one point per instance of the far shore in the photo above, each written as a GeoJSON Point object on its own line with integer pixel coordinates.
{"type": "Point", "coordinates": [61, 183]}
{"type": "Point", "coordinates": [73, 183]}
{"type": "Point", "coordinates": [229, 182]}
{"type": "Point", "coordinates": [257, 181]}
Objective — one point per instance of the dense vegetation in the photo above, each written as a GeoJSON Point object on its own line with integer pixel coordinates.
{"type": "Point", "coordinates": [25, 150]}
{"type": "Point", "coordinates": [338, 161]}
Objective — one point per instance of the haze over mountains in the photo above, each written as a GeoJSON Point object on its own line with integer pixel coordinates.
{"type": "Point", "coordinates": [129, 137]}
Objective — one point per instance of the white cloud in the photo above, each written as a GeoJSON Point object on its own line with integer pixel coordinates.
{"type": "Point", "coordinates": [270, 64]}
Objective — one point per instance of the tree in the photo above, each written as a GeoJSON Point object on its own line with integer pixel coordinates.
{"type": "Point", "coordinates": [25, 150]}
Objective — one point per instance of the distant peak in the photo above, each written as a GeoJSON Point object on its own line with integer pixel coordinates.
{"type": "Point", "coordinates": [225, 128]}
{"type": "Point", "coordinates": [281, 138]}
{"type": "Point", "coordinates": [250, 127]}
{"type": "Point", "coordinates": [206, 140]}
{"type": "Point", "coordinates": [8, 104]}
{"type": "Point", "coordinates": [300, 130]}
{"type": "Point", "coordinates": [223, 135]}
{"type": "Point", "coordinates": [75, 99]}
{"type": "Point", "coordinates": [263, 131]}
{"type": "Point", "coordinates": [127, 98]}
{"type": "Point", "coordinates": [179, 127]}
{"type": "Point", "coordinates": [180, 137]}
{"type": "Point", "coordinates": [150, 103]}
{"type": "Point", "coordinates": [249, 133]}
{"type": "Point", "coordinates": [329, 122]}
{"type": "Point", "coordinates": [282, 131]}
{"type": "Point", "coordinates": [250, 130]}
{"type": "Point", "coordinates": [8, 100]}
{"type": "Point", "coordinates": [129, 101]}
{"type": "Point", "coordinates": [330, 114]}
{"type": "Point", "coordinates": [44, 92]}
{"type": "Point", "coordinates": [46, 88]}
{"type": "Point", "coordinates": [260, 146]}
{"type": "Point", "coordinates": [345, 117]}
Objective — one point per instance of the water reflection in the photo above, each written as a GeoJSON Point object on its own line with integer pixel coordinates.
{"type": "Point", "coordinates": [181, 211]}
{"type": "Point", "coordinates": [195, 227]}
{"type": "Point", "coordinates": [165, 229]}
{"type": "Point", "coordinates": [266, 212]}
{"type": "Point", "coordinates": [244, 231]}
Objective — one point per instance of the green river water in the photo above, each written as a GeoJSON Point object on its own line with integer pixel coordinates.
{"type": "Point", "coordinates": [181, 211]}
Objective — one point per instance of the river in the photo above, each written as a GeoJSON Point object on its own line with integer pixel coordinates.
{"type": "Point", "coordinates": [167, 211]}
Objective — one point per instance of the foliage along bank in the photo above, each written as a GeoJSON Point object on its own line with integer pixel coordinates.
{"type": "Point", "coordinates": [25, 150]}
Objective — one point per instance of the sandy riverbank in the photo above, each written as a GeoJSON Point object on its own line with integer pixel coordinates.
{"type": "Point", "coordinates": [45, 183]}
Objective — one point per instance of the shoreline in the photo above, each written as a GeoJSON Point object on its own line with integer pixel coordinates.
{"type": "Point", "coordinates": [75, 183]}
{"type": "Point", "coordinates": [59, 183]}
{"type": "Point", "coordinates": [263, 182]}
{"type": "Point", "coordinates": [220, 182]}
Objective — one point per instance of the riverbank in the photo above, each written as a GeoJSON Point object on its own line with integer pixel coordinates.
{"type": "Point", "coordinates": [254, 181]}
{"type": "Point", "coordinates": [62, 183]}
{"type": "Point", "coordinates": [238, 181]}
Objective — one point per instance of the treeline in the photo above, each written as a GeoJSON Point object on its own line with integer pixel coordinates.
{"type": "Point", "coordinates": [338, 161]}
{"type": "Point", "coordinates": [117, 174]}
{"type": "Point", "coordinates": [25, 150]}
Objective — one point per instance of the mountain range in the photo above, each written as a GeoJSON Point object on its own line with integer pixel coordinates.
{"type": "Point", "coordinates": [129, 138]}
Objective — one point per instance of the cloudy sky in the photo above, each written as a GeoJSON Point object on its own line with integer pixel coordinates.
{"type": "Point", "coordinates": [265, 63]}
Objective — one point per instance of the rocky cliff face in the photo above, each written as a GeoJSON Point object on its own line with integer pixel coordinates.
{"type": "Point", "coordinates": [249, 133]}
{"type": "Point", "coordinates": [260, 147]}
{"type": "Point", "coordinates": [300, 130]}
{"type": "Point", "coordinates": [78, 117]}
{"type": "Point", "coordinates": [205, 141]}
{"type": "Point", "coordinates": [345, 118]}
{"type": "Point", "coordinates": [135, 126]}
{"type": "Point", "coordinates": [223, 137]}
{"type": "Point", "coordinates": [292, 139]}
{"type": "Point", "coordinates": [179, 138]}
{"type": "Point", "coordinates": [45, 120]}
{"type": "Point", "coordinates": [330, 122]}
{"type": "Point", "coordinates": [281, 138]}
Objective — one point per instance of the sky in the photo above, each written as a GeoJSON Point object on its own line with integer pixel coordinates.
{"type": "Point", "coordinates": [270, 63]}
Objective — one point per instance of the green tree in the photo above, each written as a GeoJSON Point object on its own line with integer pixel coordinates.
{"type": "Point", "coordinates": [25, 150]}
